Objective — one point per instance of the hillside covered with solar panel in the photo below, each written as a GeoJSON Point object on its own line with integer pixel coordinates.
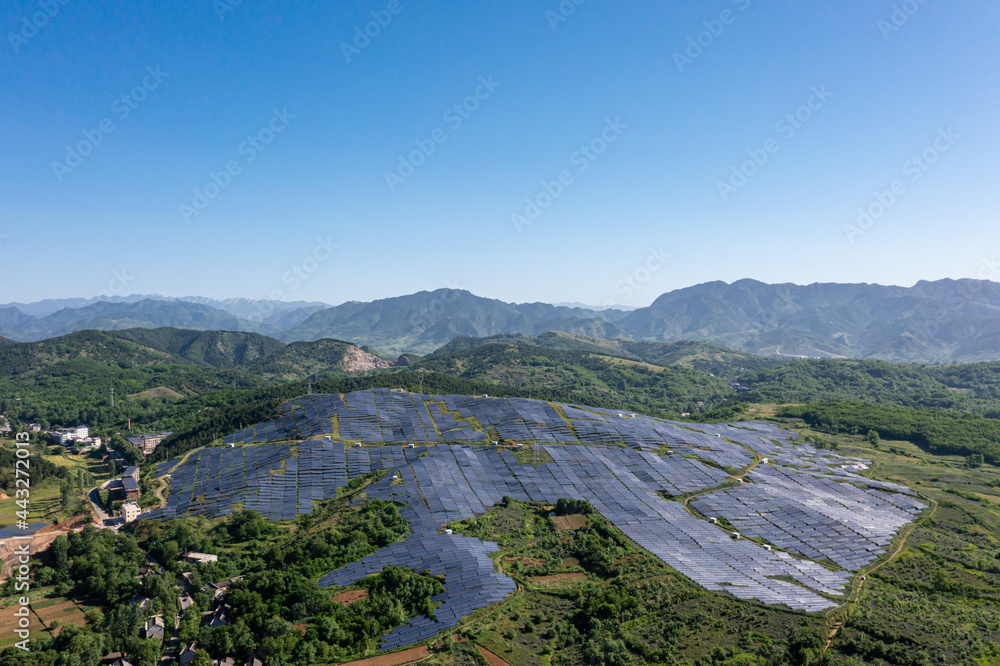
{"type": "Point", "coordinates": [805, 518]}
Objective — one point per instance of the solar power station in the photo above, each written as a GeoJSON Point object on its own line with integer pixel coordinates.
{"type": "Point", "coordinates": [813, 506]}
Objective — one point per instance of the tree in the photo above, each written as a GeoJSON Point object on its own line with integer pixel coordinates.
{"type": "Point", "coordinates": [873, 438]}
{"type": "Point", "coordinates": [65, 488]}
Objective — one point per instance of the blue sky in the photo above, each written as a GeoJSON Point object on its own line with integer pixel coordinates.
{"type": "Point", "coordinates": [657, 202]}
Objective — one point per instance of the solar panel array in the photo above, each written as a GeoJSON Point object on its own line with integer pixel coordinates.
{"type": "Point", "coordinates": [816, 517]}
{"type": "Point", "coordinates": [806, 501]}
{"type": "Point", "coordinates": [469, 579]}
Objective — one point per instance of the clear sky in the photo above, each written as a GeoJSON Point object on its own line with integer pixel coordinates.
{"type": "Point", "coordinates": [822, 106]}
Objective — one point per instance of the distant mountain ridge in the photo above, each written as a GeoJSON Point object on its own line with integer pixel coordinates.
{"type": "Point", "coordinates": [244, 308]}
{"type": "Point", "coordinates": [941, 321]}
{"type": "Point", "coordinates": [424, 321]}
{"type": "Point", "coordinates": [946, 320]}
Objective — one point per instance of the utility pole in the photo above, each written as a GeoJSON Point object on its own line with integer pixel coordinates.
{"type": "Point", "coordinates": [421, 383]}
{"type": "Point", "coordinates": [112, 397]}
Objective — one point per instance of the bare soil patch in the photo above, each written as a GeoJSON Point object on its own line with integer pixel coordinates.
{"type": "Point", "coordinates": [574, 521]}
{"type": "Point", "coordinates": [527, 561]}
{"type": "Point", "coordinates": [394, 659]}
{"type": "Point", "coordinates": [159, 392]}
{"type": "Point", "coordinates": [491, 659]}
{"type": "Point", "coordinates": [349, 597]}
{"type": "Point", "coordinates": [66, 612]}
{"type": "Point", "coordinates": [551, 579]}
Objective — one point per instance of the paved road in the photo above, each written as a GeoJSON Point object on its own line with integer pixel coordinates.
{"type": "Point", "coordinates": [105, 521]}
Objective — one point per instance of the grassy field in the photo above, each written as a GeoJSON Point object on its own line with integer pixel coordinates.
{"type": "Point", "coordinates": [46, 501]}
{"type": "Point", "coordinates": [46, 608]}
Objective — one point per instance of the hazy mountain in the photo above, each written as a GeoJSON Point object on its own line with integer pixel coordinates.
{"type": "Point", "coordinates": [596, 308]}
{"type": "Point", "coordinates": [288, 319]}
{"type": "Point", "coordinates": [263, 311]}
{"type": "Point", "coordinates": [142, 314]}
{"type": "Point", "coordinates": [12, 321]}
{"type": "Point", "coordinates": [48, 306]}
{"type": "Point", "coordinates": [424, 321]}
{"type": "Point", "coordinates": [947, 320]}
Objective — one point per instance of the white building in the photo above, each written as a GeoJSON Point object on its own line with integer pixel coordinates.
{"type": "Point", "coordinates": [66, 436]}
{"type": "Point", "coordinates": [201, 558]}
{"type": "Point", "coordinates": [130, 511]}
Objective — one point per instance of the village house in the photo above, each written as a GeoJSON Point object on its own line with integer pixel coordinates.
{"type": "Point", "coordinates": [130, 511]}
{"type": "Point", "coordinates": [140, 601]}
{"type": "Point", "coordinates": [187, 654]}
{"type": "Point", "coordinates": [201, 558]}
{"type": "Point", "coordinates": [153, 629]}
{"type": "Point", "coordinates": [131, 488]}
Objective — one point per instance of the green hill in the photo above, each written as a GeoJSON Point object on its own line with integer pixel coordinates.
{"type": "Point", "coordinates": [218, 349]}
{"type": "Point", "coordinates": [618, 380]}
{"type": "Point", "coordinates": [973, 387]}
{"type": "Point", "coordinates": [98, 348]}
{"type": "Point", "coordinates": [697, 355]}
{"type": "Point", "coordinates": [300, 360]}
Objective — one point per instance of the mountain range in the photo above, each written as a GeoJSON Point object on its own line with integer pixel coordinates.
{"type": "Point", "coordinates": [941, 321]}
